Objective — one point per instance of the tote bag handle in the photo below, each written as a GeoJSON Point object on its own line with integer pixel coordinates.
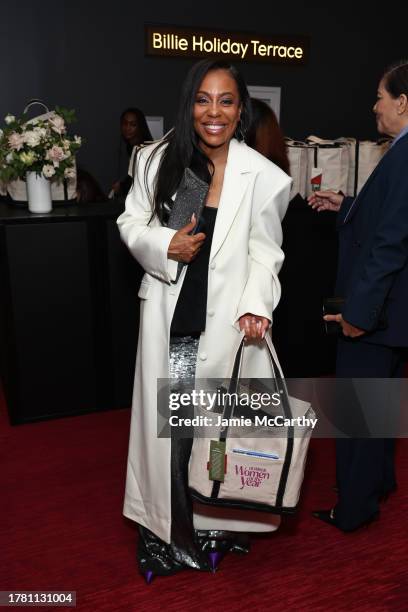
{"type": "Point", "coordinates": [44, 116]}
{"type": "Point", "coordinates": [277, 375]}
{"type": "Point", "coordinates": [285, 403]}
{"type": "Point", "coordinates": [276, 367]}
{"type": "Point", "coordinates": [34, 102]}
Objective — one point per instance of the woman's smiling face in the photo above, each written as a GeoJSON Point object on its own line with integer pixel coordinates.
{"type": "Point", "coordinates": [217, 109]}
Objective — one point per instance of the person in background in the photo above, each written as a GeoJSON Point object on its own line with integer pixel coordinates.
{"type": "Point", "coordinates": [265, 135]}
{"type": "Point", "coordinates": [88, 189]}
{"type": "Point", "coordinates": [372, 278]}
{"type": "Point", "coordinates": [134, 131]}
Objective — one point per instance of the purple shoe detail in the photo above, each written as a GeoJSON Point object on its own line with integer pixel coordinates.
{"type": "Point", "coordinates": [148, 576]}
{"type": "Point", "coordinates": [215, 558]}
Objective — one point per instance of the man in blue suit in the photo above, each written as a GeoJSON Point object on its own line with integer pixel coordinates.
{"type": "Point", "coordinates": [373, 280]}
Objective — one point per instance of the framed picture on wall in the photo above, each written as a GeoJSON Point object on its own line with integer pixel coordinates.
{"type": "Point", "coordinates": [156, 127]}
{"type": "Point", "coordinates": [270, 95]}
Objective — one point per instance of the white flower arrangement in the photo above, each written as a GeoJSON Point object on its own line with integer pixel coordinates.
{"type": "Point", "coordinates": [39, 145]}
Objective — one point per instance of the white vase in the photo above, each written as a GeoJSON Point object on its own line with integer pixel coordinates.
{"type": "Point", "coordinates": [38, 193]}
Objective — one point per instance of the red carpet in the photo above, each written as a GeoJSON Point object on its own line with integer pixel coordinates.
{"type": "Point", "coordinates": [61, 528]}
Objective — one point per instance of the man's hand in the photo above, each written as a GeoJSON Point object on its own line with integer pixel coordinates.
{"type": "Point", "coordinates": [184, 247]}
{"type": "Point", "coordinates": [325, 200]}
{"type": "Point", "coordinates": [348, 330]}
{"type": "Point", "coordinates": [254, 327]}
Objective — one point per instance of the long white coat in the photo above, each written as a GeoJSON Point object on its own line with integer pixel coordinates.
{"type": "Point", "coordinates": [244, 263]}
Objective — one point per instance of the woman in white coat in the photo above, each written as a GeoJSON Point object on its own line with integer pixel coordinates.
{"type": "Point", "coordinates": [191, 325]}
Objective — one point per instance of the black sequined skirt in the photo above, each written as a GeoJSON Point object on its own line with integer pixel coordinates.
{"type": "Point", "coordinates": [184, 548]}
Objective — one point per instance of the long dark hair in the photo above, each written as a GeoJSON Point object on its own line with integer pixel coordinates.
{"type": "Point", "coordinates": [143, 132]}
{"type": "Point", "coordinates": [396, 79]}
{"type": "Point", "coordinates": [183, 150]}
{"type": "Point", "coordinates": [265, 135]}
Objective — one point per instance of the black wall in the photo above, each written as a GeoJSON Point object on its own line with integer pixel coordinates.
{"type": "Point", "coordinates": [90, 56]}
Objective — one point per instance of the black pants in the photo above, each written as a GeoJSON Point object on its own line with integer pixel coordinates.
{"type": "Point", "coordinates": [365, 464]}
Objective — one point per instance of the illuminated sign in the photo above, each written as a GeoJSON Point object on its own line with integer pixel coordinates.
{"type": "Point", "coordinates": [172, 41]}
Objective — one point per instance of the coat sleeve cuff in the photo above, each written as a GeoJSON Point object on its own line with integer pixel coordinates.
{"type": "Point", "coordinates": [363, 319]}
{"type": "Point", "coordinates": [172, 268]}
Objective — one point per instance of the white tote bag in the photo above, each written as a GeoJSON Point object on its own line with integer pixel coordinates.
{"type": "Point", "coordinates": [364, 157]}
{"type": "Point", "coordinates": [328, 165]}
{"type": "Point", "coordinates": [264, 472]}
{"type": "Point", "coordinates": [18, 190]}
{"type": "Point", "coordinates": [298, 160]}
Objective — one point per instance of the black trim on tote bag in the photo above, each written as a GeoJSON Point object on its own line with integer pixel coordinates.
{"type": "Point", "coordinates": [278, 507]}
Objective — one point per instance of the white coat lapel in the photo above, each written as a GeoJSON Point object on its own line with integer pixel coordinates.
{"type": "Point", "coordinates": [236, 179]}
